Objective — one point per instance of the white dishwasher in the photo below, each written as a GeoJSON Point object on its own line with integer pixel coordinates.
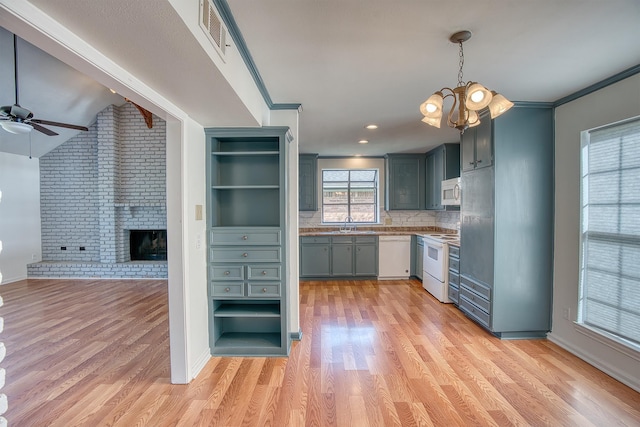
{"type": "Point", "coordinates": [394, 257]}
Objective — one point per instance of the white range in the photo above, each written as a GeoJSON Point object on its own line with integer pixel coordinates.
{"type": "Point", "coordinates": [435, 278]}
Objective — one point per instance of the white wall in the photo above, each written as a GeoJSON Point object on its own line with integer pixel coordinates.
{"type": "Point", "coordinates": [19, 215]}
{"type": "Point", "coordinates": [613, 103]}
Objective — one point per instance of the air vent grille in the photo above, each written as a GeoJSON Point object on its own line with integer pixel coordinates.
{"type": "Point", "coordinates": [213, 27]}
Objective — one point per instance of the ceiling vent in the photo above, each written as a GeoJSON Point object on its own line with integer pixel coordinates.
{"type": "Point", "coordinates": [213, 27]}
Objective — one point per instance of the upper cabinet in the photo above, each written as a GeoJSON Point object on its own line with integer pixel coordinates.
{"type": "Point", "coordinates": [476, 146]}
{"type": "Point", "coordinates": [405, 180]}
{"type": "Point", "coordinates": [308, 182]}
{"type": "Point", "coordinates": [443, 162]}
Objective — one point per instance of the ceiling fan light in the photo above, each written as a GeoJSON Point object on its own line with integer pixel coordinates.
{"type": "Point", "coordinates": [16, 127]}
{"type": "Point", "coordinates": [477, 97]}
{"type": "Point", "coordinates": [499, 104]}
{"type": "Point", "coordinates": [433, 121]}
{"type": "Point", "coordinates": [432, 107]}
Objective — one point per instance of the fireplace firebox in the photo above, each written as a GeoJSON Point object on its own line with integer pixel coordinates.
{"type": "Point", "coordinates": [148, 245]}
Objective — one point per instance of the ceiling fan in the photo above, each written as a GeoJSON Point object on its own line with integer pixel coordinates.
{"type": "Point", "coordinates": [16, 119]}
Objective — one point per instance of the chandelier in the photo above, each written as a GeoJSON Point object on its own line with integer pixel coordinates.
{"type": "Point", "coordinates": [468, 99]}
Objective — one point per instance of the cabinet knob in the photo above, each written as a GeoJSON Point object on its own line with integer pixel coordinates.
{"type": "Point", "coordinates": [227, 289]}
{"type": "Point", "coordinates": [264, 273]}
{"type": "Point", "coordinates": [245, 255]}
{"type": "Point", "coordinates": [472, 163]}
{"type": "Point", "coordinates": [264, 289]}
{"type": "Point", "coordinates": [226, 273]}
{"type": "Point", "coordinates": [245, 237]}
{"type": "Point", "coordinates": [479, 161]}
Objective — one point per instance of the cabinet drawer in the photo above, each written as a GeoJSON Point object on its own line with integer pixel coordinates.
{"type": "Point", "coordinates": [341, 239]}
{"type": "Point", "coordinates": [454, 264]}
{"type": "Point", "coordinates": [477, 287]}
{"type": "Point", "coordinates": [261, 290]}
{"type": "Point", "coordinates": [454, 251]}
{"type": "Point", "coordinates": [366, 239]}
{"type": "Point", "coordinates": [475, 299]}
{"type": "Point", "coordinates": [453, 293]}
{"type": "Point", "coordinates": [474, 312]}
{"type": "Point", "coordinates": [245, 255]}
{"type": "Point", "coordinates": [314, 239]}
{"type": "Point", "coordinates": [227, 290]}
{"type": "Point", "coordinates": [227, 272]}
{"type": "Point", "coordinates": [228, 237]}
{"type": "Point", "coordinates": [263, 272]}
{"type": "Point", "coordinates": [454, 278]}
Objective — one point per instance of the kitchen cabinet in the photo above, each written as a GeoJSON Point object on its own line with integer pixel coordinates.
{"type": "Point", "coordinates": [308, 182]}
{"type": "Point", "coordinates": [419, 257]}
{"type": "Point", "coordinates": [506, 247]}
{"type": "Point", "coordinates": [247, 241]}
{"type": "Point", "coordinates": [315, 257]}
{"type": "Point", "coordinates": [443, 162]}
{"type": "Point", "coordinates": [477, 147]}
{"type": "Point", "coordinates": [404, 181]}
{"type": "Point", "coordinates": [454, 273]}
{"type": "Point", "coordinates": [342, 256]}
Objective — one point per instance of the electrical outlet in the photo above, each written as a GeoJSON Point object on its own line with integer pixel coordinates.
{"type": "Point", "coordinates": [566, 313]}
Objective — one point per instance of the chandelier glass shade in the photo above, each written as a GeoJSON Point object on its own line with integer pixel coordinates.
{"type": "Point", "coordinates": [468, 99]}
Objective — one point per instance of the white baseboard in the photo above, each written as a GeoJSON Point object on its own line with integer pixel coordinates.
{"type": "Point", "coordinates": [201, 361]}
{"type": "Point", "coordinates": [597, 362]}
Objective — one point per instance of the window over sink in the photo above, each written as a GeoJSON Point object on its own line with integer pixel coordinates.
{"type": "Point", "coordinates": [350, 195]}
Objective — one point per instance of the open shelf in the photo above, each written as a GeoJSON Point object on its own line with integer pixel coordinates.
{"type": "Point", "coordinates": [268, 144]}
{"type": "Point", "coordinates": [249, 340]}
{"type": "Point", "coordinates": [248, 207]}
{"type": "Point", "coordinates": [248, 310]}
{"type": "Point", "coordinates": [232, 169]}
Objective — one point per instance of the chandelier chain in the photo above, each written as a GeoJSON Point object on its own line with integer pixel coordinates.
{"type": "Point", "coordinates": [461, 54]}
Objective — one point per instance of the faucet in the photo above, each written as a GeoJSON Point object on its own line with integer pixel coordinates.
{"type": "Point", "coordinates": [352, 227]}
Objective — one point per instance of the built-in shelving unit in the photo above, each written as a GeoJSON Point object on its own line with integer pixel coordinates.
{"type": "Point", "coordinates": [247, 248]}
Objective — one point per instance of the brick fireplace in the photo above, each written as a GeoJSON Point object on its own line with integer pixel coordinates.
{"type": "Point", "coordinates": [95, 189]}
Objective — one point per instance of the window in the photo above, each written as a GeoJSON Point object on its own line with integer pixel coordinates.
{"type": "Point", "coordinates": [350, 193]}
{"type": "Point", "coordinates": [610, 231]}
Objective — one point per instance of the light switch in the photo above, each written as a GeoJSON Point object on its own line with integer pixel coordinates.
{"type": "Point", "coordinates": [198, 212]}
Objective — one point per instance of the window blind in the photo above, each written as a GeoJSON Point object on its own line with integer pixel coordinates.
{"type": "Point", "coordinates": [610, 227]}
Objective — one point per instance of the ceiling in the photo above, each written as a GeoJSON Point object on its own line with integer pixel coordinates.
{"type": "Point", "coordinates": [349, 62]}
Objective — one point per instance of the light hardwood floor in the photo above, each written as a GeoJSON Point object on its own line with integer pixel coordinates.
{"type": "Point", "coordinates": [95, 353]}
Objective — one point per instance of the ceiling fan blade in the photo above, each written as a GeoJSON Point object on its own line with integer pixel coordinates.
{"type": "Point", "coordinates": [42, 129]}
{"type": "Point", "coordinates": [62, 125]}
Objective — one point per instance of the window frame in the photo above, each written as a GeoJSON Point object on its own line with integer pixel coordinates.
{"type": "Point", "coordinates": [376, 202]}
{"type": "Point", "coordinates": [619, 240]}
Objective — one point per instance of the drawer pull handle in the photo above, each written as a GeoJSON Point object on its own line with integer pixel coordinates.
{"type": "Point", "coordinates": [264, 289]}
{"type": "Point", "coordinates": [264, 273]}
{"type": "Point", "coordinates": [226, 273]}
{"type": "Point", "coordinates": [245, 237]}
{"type": "Point", "coordinates": [227, 289]}
{"type": "Point", "coordinates": [245, 255]}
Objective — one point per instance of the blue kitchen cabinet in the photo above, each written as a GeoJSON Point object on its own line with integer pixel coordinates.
{"type": "Point", "coordinates": [506, 236]}
{"type": "Point", "coordinates": [308, 182]}
{"type": "Point", "coordinates": [477, 146]}
{"type": "Point", "coordinates": [443, 162]}
{"type": "Point", "coordinates": [404, 181]}
{"type": "Point", "coordinates": [315, 253]}
{"type": "Point", "coordinates": [247, 241]}
{"type": "Point", "coordinates": [366, 256]}
{"type": "Point", "coordinates": [341, 256]}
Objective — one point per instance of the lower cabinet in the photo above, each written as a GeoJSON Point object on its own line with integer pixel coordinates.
{"type": "Point", "coordinates": [454, 274]}
{"type": "Point", "coordinates": [419, 257]}
{"type": "Point", "coordinates": [338, 256]}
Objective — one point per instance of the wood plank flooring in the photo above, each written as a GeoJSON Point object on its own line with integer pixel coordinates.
{"type": "Point", "coordinates": [95, 353]}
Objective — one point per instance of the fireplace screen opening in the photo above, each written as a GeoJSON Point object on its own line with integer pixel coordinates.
{"type": "Point", "coordinates": [148, 245]}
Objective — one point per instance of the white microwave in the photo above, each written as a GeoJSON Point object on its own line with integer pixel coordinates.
{"type": "Point", "coordinates": [451, 192]}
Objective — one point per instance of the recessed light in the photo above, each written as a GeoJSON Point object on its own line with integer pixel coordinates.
{"type": "Point", "coordinates": [371, 126]}
{"type": "Point", "coordinates": [363, 141]}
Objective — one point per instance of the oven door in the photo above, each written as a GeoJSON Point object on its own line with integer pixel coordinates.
{"type": "Point", "coordinates": [433, 259]}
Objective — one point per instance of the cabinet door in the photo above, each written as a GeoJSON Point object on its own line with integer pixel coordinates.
{"type": "Point", "coordinates": [314, 261]}
{"type": "Point", "coordinates": [438, 176]}
{"type": "Point", "coordinates": [419, 261]}
{"type": "Point", "coordinates": [308, 199]}
{"type": "Point", "coordinates": [366, 257]}
{"type": "Point", "coordinates": [430, 174]}
{"type": "Point", "coordinates": [405, 183]}
{"type": "Point", "coordinates": [342, 260]}
{"type": "Point", "coordinates": [468, 147]}
{"type": "Point", "coordinates": [484, 152]}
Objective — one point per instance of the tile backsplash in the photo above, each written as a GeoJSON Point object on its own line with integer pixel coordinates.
{"type": "Point", "coordinates": [440, 219]}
